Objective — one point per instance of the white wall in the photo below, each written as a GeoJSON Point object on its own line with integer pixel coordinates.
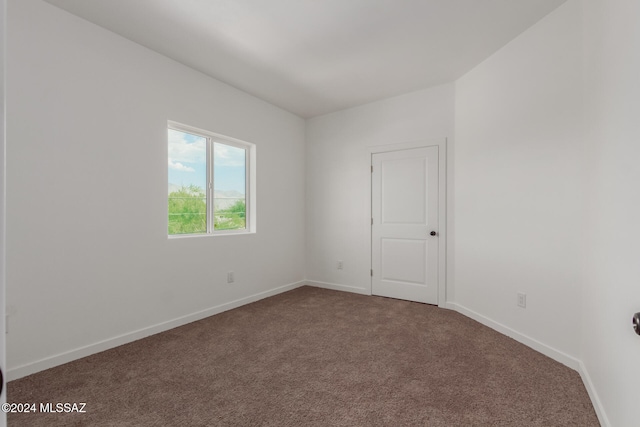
{"type": "Point", "coordinates": [519, 186]}
{"type": "Point", "coordinates": [3, 362]}
{"type": "Point", "coordinates": [87, 249]}
{"type": "Point", "coordinates": [610, 348]}
{"type": "Point", "coordinates": [338, 174]}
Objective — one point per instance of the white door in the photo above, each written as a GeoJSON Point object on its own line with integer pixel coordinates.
{"type": "Point", "coordinates": [404, 229]}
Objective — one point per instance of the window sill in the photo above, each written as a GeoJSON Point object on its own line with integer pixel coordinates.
{"type": "Point", "coordinates": [216, 234]}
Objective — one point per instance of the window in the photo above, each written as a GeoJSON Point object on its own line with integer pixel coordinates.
{"type": "Point", "coordinates": [210, 179]}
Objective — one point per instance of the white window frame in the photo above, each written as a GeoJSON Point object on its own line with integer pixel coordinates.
{"type": "Point", "coordinates": [250, 180]}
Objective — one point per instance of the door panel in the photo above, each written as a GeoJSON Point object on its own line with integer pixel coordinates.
{"type": "Point", "coordinates": [406, 206]}
{"type": "Point", "coordinates": [404, 212]}
{"type": "Point", "coordinates": [404, 260]}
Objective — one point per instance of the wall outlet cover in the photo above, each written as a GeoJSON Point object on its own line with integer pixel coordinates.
{"type": "Point", "coordinates": [522, 300]}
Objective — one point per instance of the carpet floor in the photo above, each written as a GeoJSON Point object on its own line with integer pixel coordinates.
{"type": "Point", "coordinates": [314, 357]}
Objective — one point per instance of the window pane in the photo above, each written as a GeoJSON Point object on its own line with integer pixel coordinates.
{"type": "Point", "coordinates": [187, 183]}
{"type": "Point", "coordinates": [229, 187]}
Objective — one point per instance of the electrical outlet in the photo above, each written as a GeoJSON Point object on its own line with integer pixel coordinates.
{"type": "Point", "coordinates": [522, 300]}
{"type": "Point", "coordinates": [231, 277]}
{"type": "Point", "coordinates": [339, 265]}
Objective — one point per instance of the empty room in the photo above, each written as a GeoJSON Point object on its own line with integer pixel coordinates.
{"type": "Point", "coordinates": [320, 212]}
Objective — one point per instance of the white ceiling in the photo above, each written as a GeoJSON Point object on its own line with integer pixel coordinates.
{"type": "Point", "coordinates": [313, 57]}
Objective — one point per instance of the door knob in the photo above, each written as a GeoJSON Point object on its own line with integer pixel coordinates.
{"type": "Point", "coordinates": [433, 233]}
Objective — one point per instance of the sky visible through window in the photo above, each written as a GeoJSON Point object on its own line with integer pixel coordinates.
{"type": "Point", "coordinates": [188, 165]}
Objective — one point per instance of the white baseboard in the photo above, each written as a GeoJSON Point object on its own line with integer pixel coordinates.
{"type": "Point", "coordinates": [59, 359]}
{"type": "Point", "coordinates": [551, 352]}
{"type": "Point", "coordinates": [593, 394]}
{"type": "Point", "coordinates": [336, 287]}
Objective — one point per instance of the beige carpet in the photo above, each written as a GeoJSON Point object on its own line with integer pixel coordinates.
{"type": "Point", "coordinates": [314, 357]}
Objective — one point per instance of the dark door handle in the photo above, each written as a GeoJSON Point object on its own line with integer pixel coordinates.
{"type": "Point", "coordinates": [433, 233]}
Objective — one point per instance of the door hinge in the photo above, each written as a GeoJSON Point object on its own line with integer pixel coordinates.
{"type": "Point", "coordinates": [371, 221]}
{"type": "Point", "coordinates": [371, 168]}
{"type": "Point", "coordinates": [372, 273]}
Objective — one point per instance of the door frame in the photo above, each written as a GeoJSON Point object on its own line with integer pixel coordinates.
{"type": "Point", "coordinates": [441, 143]}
